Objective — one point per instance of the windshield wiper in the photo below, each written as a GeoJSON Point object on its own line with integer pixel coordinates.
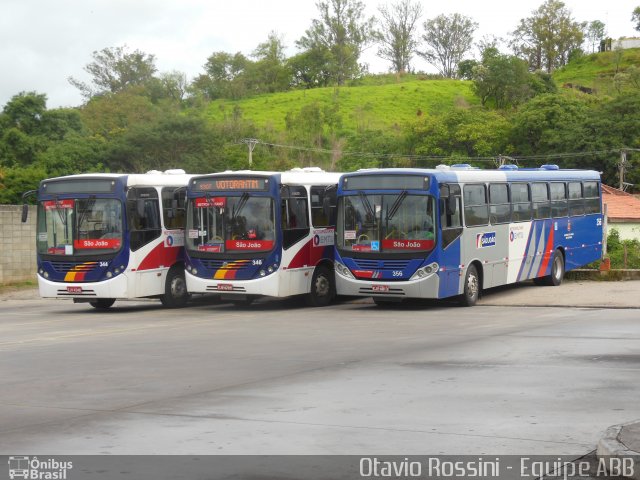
{"type": "Point", "coordinates": [396, 205]}
{"type": "Point", "coordinates": [241, 204]}
{"type": "Point", "coordinates": [367, 205]}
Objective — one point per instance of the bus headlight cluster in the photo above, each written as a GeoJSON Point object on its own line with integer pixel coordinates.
{"type": "Point", "coordinates": [270, 269]}
{"type": "Point", "coordinates": [424, 272]}
{"type": "Point", "coordinates": [342, 270]}
{"type": "Point", "coordinates": [192, 270]}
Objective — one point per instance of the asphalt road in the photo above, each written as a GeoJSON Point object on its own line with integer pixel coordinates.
{"type": "Point", "coordinates": [279, 378]}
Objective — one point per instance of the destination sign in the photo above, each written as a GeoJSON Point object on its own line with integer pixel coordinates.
{"type": "Point", "coordinates": [242, 184]}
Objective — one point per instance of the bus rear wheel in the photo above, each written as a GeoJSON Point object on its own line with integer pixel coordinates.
{"type": "Point", "coordinates": [175, 291]}
{"type": "Point", "coordinates": [102, 303]}
{"type": "Point", "coordinates": [323, 288]}
{"type": "Point", "coordinates": [471, 289]}
{"type": "Point", "coordinates": [557, 271]}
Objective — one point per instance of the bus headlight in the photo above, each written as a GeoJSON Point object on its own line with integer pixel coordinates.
{"type": "Point", "coordinates": [109, 274]}
{"type": "Point", "coordinates": [41, 271]}
{"type": "Point", "coordinates": [46, 274]}
{"type": "Point", "coordinates": [270, 269]}
{"type": "Point", "coordinates": [342, 270]}
{"type": "Point", "coordinates": [188, 268]}
{"type": "Point", "coordinates": [262, 273]}
{"type": "Point", "coordinates": [194, 271]}
{"type": "Point", "coordinates": [425, 272]}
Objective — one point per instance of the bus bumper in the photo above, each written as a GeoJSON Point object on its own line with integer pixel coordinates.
{"type": "Point", "coordinates": [422, 288]}
{"type": "Point", "coordinates": [115, 287]}
{"type": "Point", "coordinates": [268, 285]}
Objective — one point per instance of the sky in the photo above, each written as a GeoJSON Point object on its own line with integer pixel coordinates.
{"type": "Point", "coordinates": [43, 43]}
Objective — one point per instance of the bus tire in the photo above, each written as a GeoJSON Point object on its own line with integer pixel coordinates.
{"type": "Point", "coordinates": [471, 288]}
{"type": "Point", "coordinates": [102, 303]}
{"type": "Point", "coordinates": [323, 288]}
{"type": "Point", "coordinates": [175, 290]}
{"type": "Point", "coordinates": [557, 271]}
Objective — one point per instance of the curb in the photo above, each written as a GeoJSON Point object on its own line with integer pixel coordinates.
{"type": "Point", "coordinates": [610, 446]}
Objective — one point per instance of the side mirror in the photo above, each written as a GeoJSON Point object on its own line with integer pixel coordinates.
{"type": "Point", "coordinates": [25, 206]}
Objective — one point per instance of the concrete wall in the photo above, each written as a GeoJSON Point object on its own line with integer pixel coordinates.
{"type": "Point", "coordinates": [18, 250]}
{"type": "Point", "coordinates": [627, 231]}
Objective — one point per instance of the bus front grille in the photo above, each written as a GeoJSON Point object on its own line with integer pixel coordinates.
{"type": "Point", "coordinates": [226, 264]}
{"type": "Point", "coordinates": [64, 267]}
{"type": "Point", "coordinates": [364, 264]}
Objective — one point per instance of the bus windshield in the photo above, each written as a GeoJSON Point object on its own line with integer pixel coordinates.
{"type": "Point", "coordinates": [397, 223]}
{"type": "Point", "coordinates": [81, 227]}
{"type": "Point", "coordinates": [232, 223]}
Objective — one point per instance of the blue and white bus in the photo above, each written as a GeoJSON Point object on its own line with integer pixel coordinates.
{"type": "Point", "coordinates": [251, 233]}
{"type": "Point", "coordinates": [449, 231]}
{"type": "Point", "coordinates": [103, 237]}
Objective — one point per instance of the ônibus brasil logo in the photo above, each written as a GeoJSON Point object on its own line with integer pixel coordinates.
{"type": "Point", "coordinates": [32, 468]}
{"type": "Point", "coordinates": [486, 240]}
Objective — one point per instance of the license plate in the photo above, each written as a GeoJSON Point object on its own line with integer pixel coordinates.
{"type": "Point", "coordinates": [74, 289]}
{"type": "Point", "coordinates": [380, 288]}
{"type": "Point", "coordinates": [225, 287]}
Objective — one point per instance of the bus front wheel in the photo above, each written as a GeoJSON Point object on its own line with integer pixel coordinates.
{"type": "Point", "coordinates": [175, 292]}
{"type": "Point", "coordinates": [103, 303]}
{"type": "Point", "coordinates": [471, 289]}
{"type": "Point", "coordinates": [323, 288]}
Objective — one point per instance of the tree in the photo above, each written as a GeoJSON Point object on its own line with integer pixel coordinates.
{"type": "Point", "coordinates": [114, 69]}
{"type": "Point", "coordinates": [448, 38]}
{"type": "Point", "coordinates": [340, 34]}
{"type": "Point", "coordinates": [398, 33]}
{"type": "Point", "coordinates": [595, 33]}
{"type": "Point", "coordinates": [502, 79]}
{"type": "Point", "coordinates": [269, 73]}
{"type": "Point", "coordinates": [635, 18]}
{"type": "Point", "coordinates": [224, 77]}
{"type": "Point", "coordinates": [547, 38]}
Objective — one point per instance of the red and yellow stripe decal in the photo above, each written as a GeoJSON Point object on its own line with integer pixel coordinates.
{"type": "Point", "coordinates": [229, 272]}
{"type": "Point", "coordinates": [77, 273]}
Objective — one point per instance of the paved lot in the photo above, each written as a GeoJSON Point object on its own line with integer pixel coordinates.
{"type": "Point", "coordinates": [278, 378]}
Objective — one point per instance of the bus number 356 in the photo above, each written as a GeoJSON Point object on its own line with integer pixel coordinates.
{"type": "Point", "coordinates": [397, 273]}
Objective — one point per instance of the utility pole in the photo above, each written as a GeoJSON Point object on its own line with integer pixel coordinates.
{"type": "Point", "coordinates": [251, 143]}
{"type": "Point", "coordinates": [621, 166]}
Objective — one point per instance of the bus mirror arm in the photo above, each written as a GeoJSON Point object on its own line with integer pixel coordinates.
{"type": "Point", "coordinates": [25, 206]}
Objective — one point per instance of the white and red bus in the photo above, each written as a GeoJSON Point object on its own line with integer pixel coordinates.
{"type": "Point", "coordinates": [103, 237]}
{"type": "Point", "coordinates": [261, 233]}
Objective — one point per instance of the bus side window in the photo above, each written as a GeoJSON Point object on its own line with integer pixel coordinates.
{"type": "Point", "coordinates": [476, 211]}
{"type": "Point", "coordinates": [450, 213]}
{"type": "Point", "coordinates": [500, 208]}
{"type": "Point", "coordinates": [321, 207]}
{"type": "Point", "coordinates": [559, 206]}
{"type": "Point", "coordinates": [295, 216]}
{"type": "Point", "coordinates": [143, 213]}
{"type": "Point", "coordinates": [592, 197]}
{"type": "Point", "coordinates": [520, 202]}
{"type": "Point", "coordinates": [173, 208]}
{"type": "Point", "coordinates": [576, 202]}
{"type": "Point", "coordinates": [540, 197]}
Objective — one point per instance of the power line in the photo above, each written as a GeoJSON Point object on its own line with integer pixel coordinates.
{"type": "Point", "coordinates": [498, 159]}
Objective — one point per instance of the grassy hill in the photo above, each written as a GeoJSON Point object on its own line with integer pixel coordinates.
{"type": "Point", "coordinates": [597, 70]}
{"type": "Point", "coordinates": [365, 106]}
{"type": "Point", "coordinates": [385, 101]}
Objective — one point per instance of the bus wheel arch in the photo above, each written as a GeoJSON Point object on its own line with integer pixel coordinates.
{"type": "Point", "coordinates": [175, 293]}
{"type": "Point", "coordinates": [323, 286]}
{"type": "Point", "coordinates": [472, 285]}
{"type": "Point", "coordinates": [558, 268]}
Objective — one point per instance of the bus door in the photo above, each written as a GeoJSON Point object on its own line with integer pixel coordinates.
{"type": "Point", "coordinates": [147, 252]}
{"type": "Point", "coordinates": [296, 254]}
{"type": "Point", "coordinates": [451, 232]}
